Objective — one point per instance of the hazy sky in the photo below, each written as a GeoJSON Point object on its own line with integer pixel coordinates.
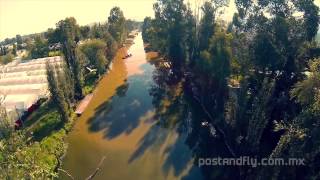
{"type": "Point", "coordinates": [31, 16]}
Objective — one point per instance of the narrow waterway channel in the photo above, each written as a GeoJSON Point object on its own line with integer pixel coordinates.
{"type": "Point", "coordinates": [122, 123]}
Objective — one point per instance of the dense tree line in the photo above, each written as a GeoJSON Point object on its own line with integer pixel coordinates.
{"type": "Point", "coordinates": [249, 76]}
{"type": "Point", "coordinates": [48, 43]}
{"type": "Point", "coordinates": [82, 46]}
{"type": "Point", "coordinates": [81, 53]}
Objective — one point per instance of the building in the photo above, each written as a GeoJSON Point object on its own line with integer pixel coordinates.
{"type": "Point", "coordinates": [23, 83]}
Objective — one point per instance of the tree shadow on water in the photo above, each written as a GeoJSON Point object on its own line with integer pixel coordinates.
{"type": "Point", "coordinates": [123, 112]}
{"type": "Point", "coordinates": [122, 90]}
{"type": "Point", "coordinates": [155, 135]}
{"type": "Point", "coordinates": [178, 158]}
{"type": "Point", "coordinates": [177, 155]}
{"type": "Point", "coordinates": [165, 137]}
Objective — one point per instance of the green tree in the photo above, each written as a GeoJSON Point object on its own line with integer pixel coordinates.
{"type": "Point", "coordinates": [170, 19]}
{"type": "Point", "coordinates": [14, 50]}
{"type": "Point", "coordinates": [273, 50]}
{"type": "Point", "coordinates": [116, 24]}
{"type": "Point", "coordinates": [8, 41]}
{"type": "Point", "coordinates": [53, 36]}
{"type": "Point", "coordinates": [94, 50]}
{"type": "Point", "coordinates": [69, 36]}
{"type": "Point", "coordinates": [17, 154]}
{"type": "Point", "coordinates": [306, 91]}
{"type": "Point", "coordinates": [85, 30]}
{"type": "Point", "coordinates": [19, 39]}
{"type": "Point", "coordinates": [146, 28]}
{"type": "Point", "coordinates": [206, 29]}
{"type": "Point", "coordinates": [301, 135]}
{"type": "Point", "coordinates": [191, 39]}
{"type": "Point", "coordinates": [213, 70]}
{"type": "Point", "coordinates": [97, 31]}
{"type": "Point", "coordinates": [267, 47]}
{"type": "Point", "coordinates": [132, 25]}
{"type": "Point", "coordinates": [112, 46]}
{"type": "Point", "coordinates": [40, 48]}
{"type": "Point", "coordinates": [57, 94]}
{"type": "Point", "coordinates": [259, 117]}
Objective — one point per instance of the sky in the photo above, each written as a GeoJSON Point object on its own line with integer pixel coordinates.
{"type": "Point", "coordinates": [30, 16]}
{"type": "Point", "coordinates": [33, 16]}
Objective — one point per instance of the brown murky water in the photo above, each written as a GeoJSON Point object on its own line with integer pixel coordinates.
{"type": "Point", "coordinates": [120, 124]}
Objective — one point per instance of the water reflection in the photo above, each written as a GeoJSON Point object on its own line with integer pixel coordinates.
{"type": "Point", "coordinates": [121, 114]}
{"type": "Point", "coordinates": [141, 122]}
{"type": "Point", "coordinates": [175, 109]}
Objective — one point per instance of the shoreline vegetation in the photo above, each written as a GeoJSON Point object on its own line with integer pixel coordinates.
{"type": "Point", "coordinates": [37, 149]}
{"type": "Point", "coordinates": [255, 81]}
{"type": "Point", "coordinates": [249, 87]}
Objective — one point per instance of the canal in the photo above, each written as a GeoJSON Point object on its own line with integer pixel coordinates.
{"type": "Point", "coordinates": [134, 120]}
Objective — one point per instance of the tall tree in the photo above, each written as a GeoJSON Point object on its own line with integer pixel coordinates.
{"type": "Point", "coordinates": [112, 46]}
{"type": "Point", "coordinates": [213, 70]}
{"type": "Point", "coordinates": [14, 49]}
{"type": "Point", "coordinates": [170, 19]}
{"type": "Point", "coordinates": [69, 36]}
{"type": "Point", "coordinates": [19, 39]}
{"type": "Point", "coordinates": [116, 24]}
{"type": "Point", "coordinates": [57, 94]}
{"type": "Point", "coordinates": [275, 37]}
{"type": "Point", "coordinates": [191, 34]}
{"type": "Point", "coordinates": [206, 25]}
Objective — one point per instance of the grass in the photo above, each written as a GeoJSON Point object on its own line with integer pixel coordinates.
{"type": "Point", "coordinates": [38, 149]}
{"type": "Point", "coordinates": [48, 131]}
{"type": "Point", "coordinates": [89, 83]}
{"type": "Point", "coordinates": [54, 53]}
{"type": "Point", "coordinates": [54, 146]}
{"type": "Point", "coordinates": [48, 135]}
{"type": "Point", "coordinates": [46, 125]}
{"type": "Point", "coordinates": [35, 116]}
{"type": "Point", "coordinates": [44, 121]}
